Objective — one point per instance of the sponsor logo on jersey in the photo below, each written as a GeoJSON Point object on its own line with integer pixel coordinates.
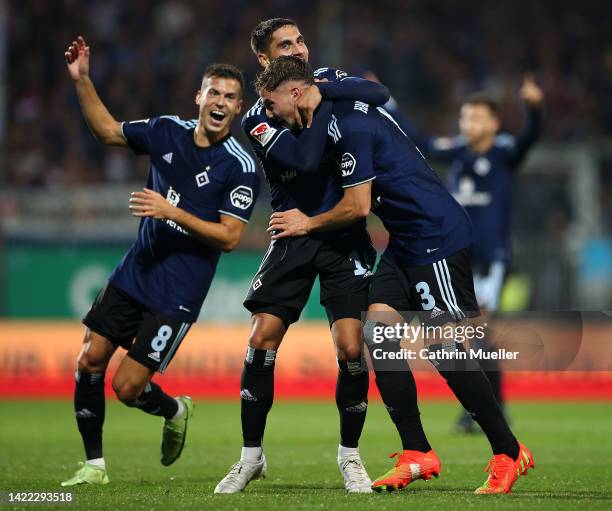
{"type": "Point", "coordinates": [173, 197]}
{"type": "Point", "coordinates": [154, 356]}
{"type": "Point", "coordinates": [341, 74]}
{"type": "Point", "coordinates": [247, 396]}
{"type": "Point", "coordinates": [263, 133]}
{"type": "Point", "coordinates": [168, 157]}
{"type": "Point", "coordinates": [347, 165]}
{"type": "Point", "coordinates": [241, 197]}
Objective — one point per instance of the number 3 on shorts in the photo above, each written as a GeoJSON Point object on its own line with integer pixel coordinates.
{"type": "Point", "coordinates": [161, 339]}
{"type": "Point", "coordinates": [428, 302]}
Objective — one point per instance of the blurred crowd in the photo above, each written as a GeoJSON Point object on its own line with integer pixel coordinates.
{"type": "Point", "coordinates": [148, 56]}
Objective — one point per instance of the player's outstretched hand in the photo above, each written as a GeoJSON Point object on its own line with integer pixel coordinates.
{"type": "Point", "coordinates": [288, 223]}
{"type": "Point", "coordinates": [530, 92]}
{"type": "Point", "coordinates": [77, 59]}
{"type": "Point", "coordinates": [150, 203]}
{"type": "Point", "coordinates": [305, 106]}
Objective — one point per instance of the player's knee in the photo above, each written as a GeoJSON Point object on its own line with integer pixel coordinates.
{"type": "Point", "coordinates": [261, 340]}
{"type": "Point", "coordinates": [91, 362]}
{"type": "Point", "coordinates": [349, 352]}
{"type": "Point", "coordinates": [127, 392]}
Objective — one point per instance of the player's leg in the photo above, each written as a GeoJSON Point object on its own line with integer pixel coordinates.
{"type": "Point", "coordinates": [352, 402]}
{"type": "Point", "coordinates": [345, 271]}
{"type": "Point", "coordinates": [448, 285]}
{"type": "Point", "coordinates": [157, 341]}
{"type": "Point", "coordinates": [257, 394]}
{"type": "Point", "coordinates": [396, 383]}
{"type": "Point", "coordinates": [389, 293]}
{"type": "Point", "coordinates": [111, 322]}
{"type": "Point", "coordinates": [276, 298]}
{"type": "Point", "coordinates": [488, 284]}
{"type": "Point", "coordinates": [89, 406]}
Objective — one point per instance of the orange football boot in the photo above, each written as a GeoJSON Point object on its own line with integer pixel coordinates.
{"type": "Point", "coordinates": [504, 471]}
{"type": "Point", "coordinates": [410, 466]}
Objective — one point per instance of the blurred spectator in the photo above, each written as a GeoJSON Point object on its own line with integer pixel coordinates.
{"type": "Point", "coordinates": [148, 56]}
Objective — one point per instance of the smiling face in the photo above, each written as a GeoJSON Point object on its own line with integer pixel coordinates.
{"type": "Point", "coordinates": [285, 41]}
{"type": "Point", "coordinates": [219, 100]}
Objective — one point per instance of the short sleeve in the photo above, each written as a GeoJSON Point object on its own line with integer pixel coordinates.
{"type": "Point", "coordinates": [354, 149]}
{"type": "Point", "coordinates": [242, 188]}
{"type": "Point", "coordinates": [140, 134]}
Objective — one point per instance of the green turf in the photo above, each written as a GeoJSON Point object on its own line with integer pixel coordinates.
{"type": "Point", "coordinates": [572, 444]}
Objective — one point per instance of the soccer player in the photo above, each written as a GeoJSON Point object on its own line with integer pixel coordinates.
{"type": "Point", "coordinates": [483, 163]}
{"type": "Point", "coordinates": [426, 267]}
{"type": "Point", "coordinates": [342, 259]}
{"type": "Point", "coordinates": [200, 193]}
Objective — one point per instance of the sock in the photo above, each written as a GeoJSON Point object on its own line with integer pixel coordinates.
{"type": "Point", "coordinates": [251, 454]}
{"type": "Point", "coordinates": [89, 409]}
{"type": "Point", "coordinates": [97, 462]}
{"type": "Point", "coordinates": [347, 451]}
{"type": "Point", "coordinates": [256, 393]}
{"type": "Point", "coordinates": [155, 401]}
{"type": "Point", "coordinates": [397, 388]}
{"type": "Point", "coordinates": [180, 411]}
{"type": "Point", "coordinates": [471, 387]}
{"type": "Point", "coordinates": [351, 400]}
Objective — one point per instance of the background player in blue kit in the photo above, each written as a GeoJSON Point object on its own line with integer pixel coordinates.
{"type": "Point", "coordinates": [483, 163]}
{"type": "Point", "coordinates": [426, 267]}
{"type": "Point", "coordinates": [342, 260]}
{"type": "Point", "coordinates": [200, 193]}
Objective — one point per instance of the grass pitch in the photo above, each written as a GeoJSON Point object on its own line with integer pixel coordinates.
{"type": "Point", "coordinates": [571, 442]}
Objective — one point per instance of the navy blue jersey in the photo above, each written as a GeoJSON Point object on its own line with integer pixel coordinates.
{"type": "Point", "coordinates": [285, 155]}
{"type": "Point", "coordinates": [482, 183]}
{"type": "Point", "coordinates": [425, 223]}
{"type": "Point", "coordinates": [166, 268]}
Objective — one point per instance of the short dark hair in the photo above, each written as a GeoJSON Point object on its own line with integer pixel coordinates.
{"type": "Point", "coordinates": [224, 71]}
{"type": "Point", "coordinates": [481, 98]}
{"type": "Point", "coordinates": [283, 69]}
{"type": "Point", "coordinates": [261, 36]}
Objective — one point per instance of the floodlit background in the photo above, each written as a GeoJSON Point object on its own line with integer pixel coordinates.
{"type": "Point", "coordinates": [65, 224]}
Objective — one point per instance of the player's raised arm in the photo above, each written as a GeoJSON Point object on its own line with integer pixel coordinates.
{"type": "Point", "coordinates": [101, 123]}
{"type": "Point", "coordinates": [223, 235]}
{"type": "Point", "coordinates": [533, 97]}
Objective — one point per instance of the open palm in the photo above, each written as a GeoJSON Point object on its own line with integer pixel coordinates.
{"type": "Point", "coordinates": [77, 59]}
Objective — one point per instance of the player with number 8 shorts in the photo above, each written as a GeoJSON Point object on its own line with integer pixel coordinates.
{"type": "Point", "coordinates": [200, 193]}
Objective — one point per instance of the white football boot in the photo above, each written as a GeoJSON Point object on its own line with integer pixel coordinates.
{"type": "Point", "coordinates": [356, 479]}
{"type": "Point", "coordinates": [241, 474]}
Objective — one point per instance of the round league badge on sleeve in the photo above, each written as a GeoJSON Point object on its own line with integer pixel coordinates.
{"type": "Point", "coordinates": [241, 197]}
{"type": "Point", "coordinates": [348, 164]}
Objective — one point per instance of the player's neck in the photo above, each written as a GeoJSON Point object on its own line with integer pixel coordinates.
{"type": "Point", "coordinates": [203, 138]}
{"type": "Point", "coordinates": [483, 145]}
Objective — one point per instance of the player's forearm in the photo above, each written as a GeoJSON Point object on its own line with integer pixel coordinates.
{"type": "Point", "coordinates": [345, 213]}
{"type": "Point", "coordinates": [213, 234]}
{"type": "Point", "coordinates": [357, 89]}
{"type": "Point", "coordinates": [101, 123]}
